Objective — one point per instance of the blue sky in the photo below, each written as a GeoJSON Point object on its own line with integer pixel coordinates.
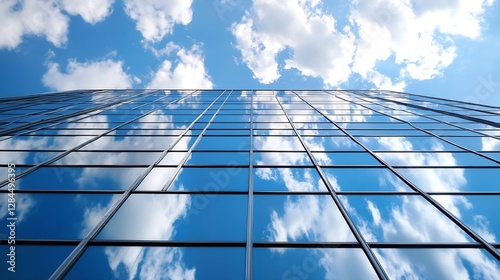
{"type": "Point", "coordinates": [438, 48]}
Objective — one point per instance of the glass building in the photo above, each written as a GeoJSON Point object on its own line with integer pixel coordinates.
{"type": "Point", "coordinates": [234, 184]}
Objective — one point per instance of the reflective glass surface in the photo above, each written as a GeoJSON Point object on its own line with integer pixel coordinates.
{"type": "Point", "coordinates": [299, 218]}
{"type": "Point", "coordinates": [214, 184]}
{"type": "Point", "coordinates": [313, 263]}
{"type": "Point", "coordinates": [160, 263]}
{"type": "Point", "coordinates": [200, 217]}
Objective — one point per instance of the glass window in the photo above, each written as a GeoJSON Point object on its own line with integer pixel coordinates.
{"type": "Point", "coordinates": [218, 158]}
{"type": "Point", "coordinates": [183, 217]}
{"type": "Point", "coordinates": [113, 262]}
{"type": "Point", "coordinates": [274, 143]}
{"type": "Point", "coordinates": [157, 179]}
{"type": "Point", "coordinates": [401, 218]}
{"type": "Point", "coordinates": [435, 159]}
{"type": "Point", "coordinates": [40, 216]}
{"type": "Point", "coordinates": [270, 125]}
{"type": "Point", "coordinates": [230, 132]}
{"type": "Point", "coordinates": [365, 179]}
{"type": "Point", "coordinates": [131, 143]}
{"type": "Point", "coordinates": [407, 144]}
{"type": "Point", "coordinates": [214, 143]}
{"type": "Point", "coordinates": [287, 179]}
{"type": "Point", "coordinates": [172, 158]}
{"type": "Point", "coordinates": [78, 178]}
{"type": "Point", "coordinates": [299, 218]}
{"type": "Point", "coordinates": [339, 158]}
{"type": "Point", "coordinates": [211, 179]}
{"type": "Point", "coordinates": [109, 158]}
{"type": "Point", "coordinates": [281, 158]}
{"type": "Point", "coordinates": [478, 212]}
{"type": "Point", "coordinates": [28, 158]}
{"type": "Point", "coordinates": [428, 263]}
{"type": "Point", "coordinates": [184, 143]}
{"type": "Point", "coordinates": [311, 263]}
{"type": "Point", "coordinates": [289, 132]}
{"type": "Point", "coordinates": [386, 132]}
{"type": "Point", "coordinates": [216, 125]}
{"type": "Point", "coordinates": [331, 144]}
{"type": "Point", "coordinates": [43, 142]}
{"type": "Point", "coordinates": [28, 261]}
{"type": "Point", "coordinates": [452, 179]}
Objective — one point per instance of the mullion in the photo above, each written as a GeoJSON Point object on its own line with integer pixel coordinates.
{"type": "Point", "coordinates": [249, 241]}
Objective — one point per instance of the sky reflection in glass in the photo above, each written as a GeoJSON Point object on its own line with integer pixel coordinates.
{"type": "Point", "coordinates": [214, 184]}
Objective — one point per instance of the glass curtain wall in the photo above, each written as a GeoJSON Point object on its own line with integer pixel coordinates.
{"type": "Point", "coordinates": [235, 184]}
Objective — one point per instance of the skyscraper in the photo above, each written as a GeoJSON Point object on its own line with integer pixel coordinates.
{"type": "Point", "coordinates": [235, 184]}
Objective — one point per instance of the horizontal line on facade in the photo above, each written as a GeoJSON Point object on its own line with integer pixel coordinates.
{"type": "Point", "coordinates": [255, 244]}
{"type": "Point", "coordinates": [391, 193]}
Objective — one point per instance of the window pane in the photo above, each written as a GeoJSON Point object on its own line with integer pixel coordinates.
{"type": "Point", "coordinates": [78, 178]}
{"type": "Point", "coordinates": [114, 262]}
{"type": "Point", "coordinates": [217, 143]}
{"type": "Point", "coordinates": [287, 179]}
{"type": "Point", "coordinates": [339, 158]}
{"type": "Point", "coordinates": [28, 261]}
{"type": "Point", "coordinates": [365, 179]}
{"type": "Point", "coordinates": [211, 179]}
{"type": "Point", "coordinates": [301, 263]}
{"type": "Point", "coordinates": [281, 158]}
{"type": "Point", "coordinates": [299, 218]}
{"type": "Point", "coordinates": [428, 263]}
{"type": "Point", "coordinates": [218, 158]}
{"type": "Point", "coordinates": [179, 217]}
{"type": "Point", "coordinates": [277, 143]}
{"type": "Point", "coordinates": [401, 218]}
{"type": "Point", "coordinates": [40, 216]}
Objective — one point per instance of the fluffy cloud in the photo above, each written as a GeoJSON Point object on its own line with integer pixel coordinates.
{"type": "Point", "coordinates": [301, 27]}
{"type": "Point", "coordinates": [416, 37]}
{"type": "Point", "coordinates": [87, 75]}
{"type": "Point", "coordinates": [189, 72]}
{"type": "Point", "coordinates": [31, 17]}
{"type": "Point", "coordinates": [156, 18]}
{"type": "Point", "coordinates": [92, 11]}
{"type": "Point", "coordinates": [45, 18]}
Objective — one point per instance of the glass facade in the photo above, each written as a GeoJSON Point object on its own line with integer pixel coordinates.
{"type": "Point", "coordinates": [234, 184]}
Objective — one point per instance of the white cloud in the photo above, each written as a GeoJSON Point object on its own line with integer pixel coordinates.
{"type": "Point", "coordinates": [318, 49]}
{"type": "Point", "coordinates": [45, 18]}
{"type": "Point", "coordinates": [418, 35]}
{"type": "Point", "coordinates": [414, 37]}
{"type": "Point", "coordinates": [31, 17]}
{"type": "Point", "coordinates": [188, 73]}
{"type": "Point", "coordinates": [156, 18]}
{"type": "Point", "coordinates": [92, 11]}
{"type": "Point", "coordinates": [87, 75]}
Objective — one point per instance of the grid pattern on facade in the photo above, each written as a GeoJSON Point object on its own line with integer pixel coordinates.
{"type": "Point", "coordinates": [235, 184]}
